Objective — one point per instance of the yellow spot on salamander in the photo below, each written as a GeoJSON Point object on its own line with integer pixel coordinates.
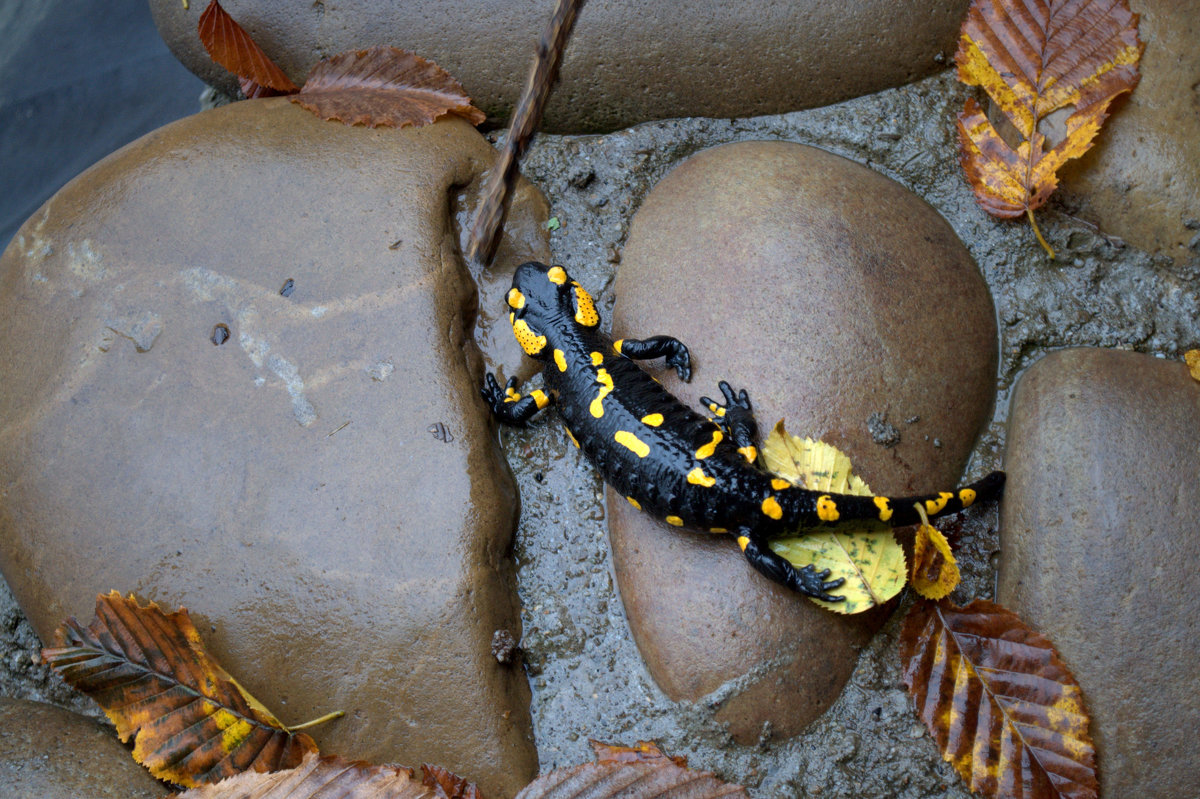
{"type": "Point", "coordinates": [571, 436]}
{"type": "Point", "coordinates": [597, 359]}
{"type": "Point", "coordinates": [675, 521]}
{"type": "Point", "coordinates": [770, 506]}
{"type": "Point", "coordinates": [560, 360]}
{"type": "Point", "coordinates": [966, 496]}
{"type": "Point", "coordinates": [933, 506]}
{"type": "Point", "coordinates": [885, 512]}
{"type": "Point", "coordinates": [827, 509]}
{"type": "Point", "coordinates": [634, 503]}
{"type": "Point", "coordinates": [540, 398]}
{"type": "Point", "coordinates": [606, 386]}
{"type": "Point", "coordinates": [585, 308]}
{"type": "Point", "coordinates": [617, 346]}
{"type": "Point", "coordinates": [511, 395]}
{"type": "Point", "coordinates": [750, 453]}
{"type": "Point", "coordinates": [711, 447]}
{"type": "Point", "coordinates": [515, 299]}
{"type": "Point", "coordinates": [652, 419]}
{"type": "Point", "coordinates": [743, 541]}
{"type": "Point", "coordinates": [779, 485]}
{"type": "Point", "coordinates": [529, 341]}
{"type": "Point", "coordinates": [717, 530]}
{"type": "Point", "coordinates": [557, 275]}
{"type": "Point", "coordinates": [632, 442]}
{"type": "Point", "coordinates": [697, 477]}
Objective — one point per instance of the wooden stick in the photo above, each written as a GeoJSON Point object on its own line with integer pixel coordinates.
{"type": "Point", "coordinates": [488, 222]}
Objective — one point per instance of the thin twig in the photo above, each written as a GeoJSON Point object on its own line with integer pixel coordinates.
{"type": "Point", "coordinates": [487, 225]}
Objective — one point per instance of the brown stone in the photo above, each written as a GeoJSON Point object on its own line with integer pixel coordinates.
{"type": "Point", "coordinates": [50, 753]}
{"type": "Point", "coordinates": [830, 293]}
{"type": "Point", "coordinates": [627, 61]}
{"type": "Point", "coordinates": [1099, 551]}
{"type": "Point", "coordinates": [291, 485]}
{"type": "Point", "coordinates": [1141, 181]}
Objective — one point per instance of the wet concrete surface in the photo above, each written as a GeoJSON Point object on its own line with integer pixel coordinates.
{"type": "Point", "coordinates": [587, 677]}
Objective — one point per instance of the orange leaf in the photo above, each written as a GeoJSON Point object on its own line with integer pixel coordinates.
{"type": "Point", "coordinates": [641, 752]}
{"type": "Point", "coordinates": [318, 778]}
{"type": "Point", "coordinates": [149, 672]}
{"type": "Point", "coordinates": [230, 46]}
{"type": "Point", "coordinates": [384, 86]}
{"type": "Point", "coordinates": [1002, 707]}
{"type": "Point", "coordinates": [935, 572]}
{"type": "Point", "coordinates": [1033, 59]}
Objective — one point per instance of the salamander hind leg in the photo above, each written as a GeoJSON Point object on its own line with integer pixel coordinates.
{"type": "Point", "coordinates": [807, 581]}
{"type": "Point", "coordinates": [508, 406]}
{"type": "Point", "coordinates": [735, 417]}
{"type": "Point", "coordinates": [674, 350]}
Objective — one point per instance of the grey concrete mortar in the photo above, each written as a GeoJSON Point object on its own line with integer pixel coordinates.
{"type": "Point", "coordinates": [587, 676]}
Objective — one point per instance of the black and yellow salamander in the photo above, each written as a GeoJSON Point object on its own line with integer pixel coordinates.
{"type": "Point", "coordinates": [668, 460]}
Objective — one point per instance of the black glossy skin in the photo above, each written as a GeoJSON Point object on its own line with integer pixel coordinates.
{"type": "Point", "coordinates": [728, 493]}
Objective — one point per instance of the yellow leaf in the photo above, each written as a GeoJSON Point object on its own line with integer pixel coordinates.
{"type": "Point", "coordinates": [865, 554]}
{"type": "Point", "coordinates": [935, 571]}
{"type": "Point", "coordinates": [1192, 358]}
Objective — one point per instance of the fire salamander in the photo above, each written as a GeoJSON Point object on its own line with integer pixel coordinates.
{"type": "Point", "coordinates": [668, 460]}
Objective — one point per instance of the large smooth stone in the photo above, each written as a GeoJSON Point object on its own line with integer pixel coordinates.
{"type": "Point", "coordinates": [1142, 179]}
{"type": "Point", "coordinates": [830, 293]}
{"type": "Point", "coordinates": [627, 61]}
{"type": "Point", "coordinates": [291, 486]}
{"type": "Point", "coordinates": [1099, 548]}
{"type": "Point", "coordinates": [50, 753]}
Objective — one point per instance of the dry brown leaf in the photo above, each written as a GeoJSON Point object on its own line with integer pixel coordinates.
{"type": "Point", "coordinates": [1032, 59]}
{"type": "Point", "coordinates": [1001, 705]}
{"type": "Point", "coordinates": [1192, 359]}
{"type": "Point", "coordinates": [151, 675]}
{"type": "Point", "coordinates": [935, 572]}
{"type": "Point", "coordinates": [641, 752]}
{"type": "Point", "coordinates": [230, 46]}
{"type": "Point", "coordinates": [648, 774]}
{"type": "Point", "coordinates": [384, 86]}
{"type": "Point", "coordinates": [319, 778]}
{"type": "Point", "coordinates": [446, 784]}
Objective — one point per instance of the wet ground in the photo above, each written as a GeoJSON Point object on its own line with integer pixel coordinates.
{"type": "Point", "coordinates": [587, 676]}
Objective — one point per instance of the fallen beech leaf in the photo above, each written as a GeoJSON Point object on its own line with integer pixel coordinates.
{"type": "Point", "coordinates": [865, 554]}
{"type": "Point", "coordinates": [1192, 359]}
{"type": "Point", "coordinates": [230, 46]}
{"type": "Point", "coordinates": [1002, 707]}
{"type": "Point", "coordinates": [384, 86]}
{"type": "Point", "coordinates": [446, 784]}
{"type": "Point", "coordinates": [150, 674]}
{"type": "Point", "coordinates": [641, 752]}
{"type": "Point", "coordinates": [319, 778]}
{"type": "Point", "coordinates": [1033, 59]}
{"type": "Point", "coordinates": [935, 572]}
{"type": "Point", "coordinates": [658, 776]}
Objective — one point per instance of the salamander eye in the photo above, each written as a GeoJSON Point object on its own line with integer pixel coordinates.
{"type": "Point", "coordinates": [585, 308]}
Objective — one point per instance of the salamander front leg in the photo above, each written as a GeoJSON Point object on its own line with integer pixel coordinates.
{"type": "Point", "coordinates": [736, 417]}
{"type": "Point", "coordinates": [674, 350]}
{"type": "Point", "coordinates": [807, 581]}
{"type": "Point", "coordinates": [507, 405]}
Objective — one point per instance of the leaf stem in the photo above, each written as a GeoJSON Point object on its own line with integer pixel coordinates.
{"type": "Point", "coordinates": [337, 714]}
{"type": "Point", "coordinates": [1038, 233]}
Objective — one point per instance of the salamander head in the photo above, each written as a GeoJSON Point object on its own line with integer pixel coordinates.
{"type": "Point", "coordinates": [544, 299]}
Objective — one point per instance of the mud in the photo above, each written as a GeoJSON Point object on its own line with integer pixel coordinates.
{"type": "Point", "coordinates": [587, 677]}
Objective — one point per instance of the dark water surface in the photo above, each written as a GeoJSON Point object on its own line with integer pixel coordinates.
{"type": "Point", "coordinates": [78, 79]}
